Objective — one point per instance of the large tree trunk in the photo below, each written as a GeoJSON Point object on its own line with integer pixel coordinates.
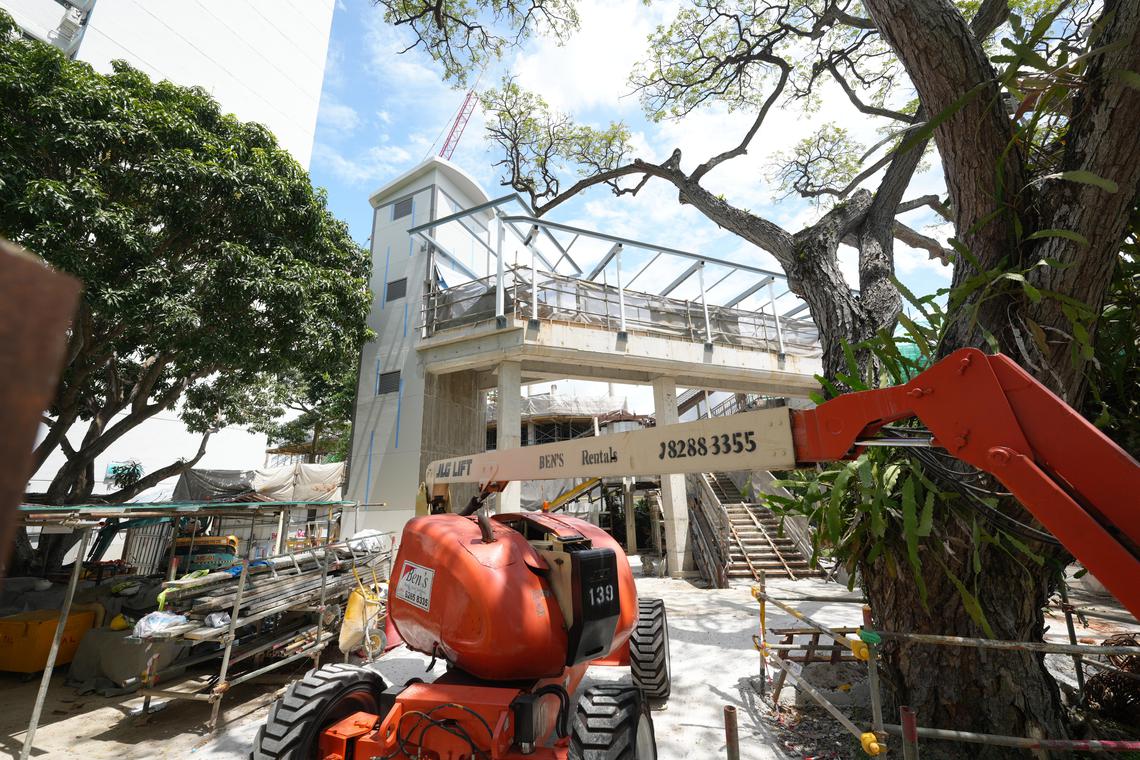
{"type": "Point", "coordinates": [957, 688]}
{"type": "Point", "coordinates": [999, 692]}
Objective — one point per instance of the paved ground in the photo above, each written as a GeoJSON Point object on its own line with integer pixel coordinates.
{"type": "Point", "coordinates": [712, 655]}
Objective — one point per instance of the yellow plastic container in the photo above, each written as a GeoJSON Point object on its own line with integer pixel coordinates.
{"type": "Point", "coordinates": [25, 639]}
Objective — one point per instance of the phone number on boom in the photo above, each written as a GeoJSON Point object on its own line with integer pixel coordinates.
{"type": "Point", "coordinates": [724, 443]}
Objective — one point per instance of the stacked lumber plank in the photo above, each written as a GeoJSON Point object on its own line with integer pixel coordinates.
{"type": "Point", "coordinates": [276, 585]}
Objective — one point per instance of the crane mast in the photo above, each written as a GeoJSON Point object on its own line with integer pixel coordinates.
{"type": "Point", "coordinates": [458, 125]}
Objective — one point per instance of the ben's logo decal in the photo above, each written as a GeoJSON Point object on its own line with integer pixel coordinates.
{"type": "Point", "coordinates": [415, 585]}
{"type": "Point", "coordinates": [550, 461]}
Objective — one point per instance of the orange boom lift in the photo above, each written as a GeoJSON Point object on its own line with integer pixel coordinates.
{"type": "Point", "coordinates": [519, 605]}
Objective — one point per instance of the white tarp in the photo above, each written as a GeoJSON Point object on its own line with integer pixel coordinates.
{"type": "Point", "coordinates": [300, 482]}
{"type": "Point", "coordinates": [565, 405]}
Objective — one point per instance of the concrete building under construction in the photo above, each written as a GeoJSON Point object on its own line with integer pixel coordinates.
{"type": "Point", "coordinates": [474, 294]}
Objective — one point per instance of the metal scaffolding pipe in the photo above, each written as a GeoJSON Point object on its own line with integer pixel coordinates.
{"type": "Point", "coordinates": [705, 304]}
{"type": "Point", "coordinates": [601, 265]}
{"type": "Point", "coordinates": [873, 678]}
{"type": "Point", "coordinates": [620, 290]}
{"type": "Point", "coordinates": [868, 740]}
{"type": "Point", "coordinates": [696, 265]}
{"type": "Point", "coordinates": [500, 296]}
{"type": "Point", "coordinates": [53, 652]}
{"type": "Point", "coordinates": [776, 317]}
{"type": "Point", "coordinates": [642, 270]}
{"type": "Point", "coordinates": [909, 733]}
{"type": "Point", "coordinates": [1009, 646]}
{"type": "Point", "coordinates": [748, 291]}
{"type": "Point", "coordinates": [997, 740]}
{"type": "Point", "coordinates": [731, 733]}
{"type": "Point", "coordinates": [858, 648]}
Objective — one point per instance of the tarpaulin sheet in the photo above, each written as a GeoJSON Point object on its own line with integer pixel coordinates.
{"type": "Point", "coordinates": [293, 482]}
{"type": "Point", "coordinates": [300, 482]}
{"type": "Point", "coordinates": [213, 485]}
{"type": "Point", "coordinates": [275, 483]}
{"type": "Point", "coordinates": [565, 405]}
{"type": "Point", "coordinates": [318, 482]}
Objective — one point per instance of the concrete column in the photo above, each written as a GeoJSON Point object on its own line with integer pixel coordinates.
{"type": "Point", "coordinates": [509, 423]}
{"type": "Point", "coordinates": [630, 517]}
{"type": "Point", "coordinates": [674, 497]}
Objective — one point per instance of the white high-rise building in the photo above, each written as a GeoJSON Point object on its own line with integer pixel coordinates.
{"type": "Point", "coordinates": [263, 60]}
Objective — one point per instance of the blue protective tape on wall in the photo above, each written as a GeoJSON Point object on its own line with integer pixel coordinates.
{"type": "Point", "coordinates": [399, 403]}
{"type": "Point", "coordinates": [384, 286]}
{"type": "Point", "coordinates": [368, 478]}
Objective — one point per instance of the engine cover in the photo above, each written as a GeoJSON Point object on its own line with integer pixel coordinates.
{"type": "Point", "coordinates": [490, 609]}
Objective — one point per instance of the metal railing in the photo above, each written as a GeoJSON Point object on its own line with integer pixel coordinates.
{"type": "Point", "coordinates": [577, 301]}
{"type": "Point", "coordinates": [709, 523]}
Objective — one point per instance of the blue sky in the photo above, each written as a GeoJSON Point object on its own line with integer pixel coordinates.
{"type": "Point", "coordinates": [381, 112]}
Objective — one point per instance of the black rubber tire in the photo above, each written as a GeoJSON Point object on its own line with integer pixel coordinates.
{"type": "Point", "coordinates": [649, 649]}
{"type": "Point", "coordinates": [612, 722]}
{"type": "Point", "coordinates": [323, 697]}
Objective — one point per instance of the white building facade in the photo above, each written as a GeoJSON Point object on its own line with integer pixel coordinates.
{"type": "Point", "coordinates": [263, 60]}
{"type": "Point", "coordinates": [404, 416]}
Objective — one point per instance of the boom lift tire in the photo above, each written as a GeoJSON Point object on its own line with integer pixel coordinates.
{"type": "Point", "coordinates": [649, 649]}
{"type": "Point", "coordinates": [612, 723]}
{"type": "Point", "coordinates": [323, 697]}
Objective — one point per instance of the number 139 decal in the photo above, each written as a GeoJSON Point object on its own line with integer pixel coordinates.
{"type": "Point", "coordinates": [601, 594]}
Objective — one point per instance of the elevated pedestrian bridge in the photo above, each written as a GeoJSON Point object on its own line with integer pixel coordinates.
{"type": "Point", "coordinates": [538, 308]}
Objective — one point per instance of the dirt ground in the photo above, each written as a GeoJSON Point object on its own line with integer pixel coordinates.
{"type": "Point", "coordinates": [714, 664]}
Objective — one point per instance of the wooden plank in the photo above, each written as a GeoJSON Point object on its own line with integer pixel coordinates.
{"type": "Point", "coordinates": [36, 307]}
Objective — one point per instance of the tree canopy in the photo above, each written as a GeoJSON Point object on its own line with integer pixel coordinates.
{"type": "Point", "coordinates": [212, 268]}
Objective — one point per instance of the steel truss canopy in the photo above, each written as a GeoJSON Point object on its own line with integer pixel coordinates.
{"type": "Point", "coordinates": [528, 230]}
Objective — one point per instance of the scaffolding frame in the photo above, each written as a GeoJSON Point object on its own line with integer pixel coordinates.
{"type": "Point", "coordinates": [87, 518]}
{"type": "Point", "coordinates": [864, 646]}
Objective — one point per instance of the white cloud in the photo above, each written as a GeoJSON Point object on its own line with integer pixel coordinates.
{"type": "Point", "coordinates": [410, 75]}
{"type": "Point", "coordinates": [592, 68]}
{"type": "Point", "coordinates": [363, 168]}
{"type": "Point", "coordinates": [341, 117]}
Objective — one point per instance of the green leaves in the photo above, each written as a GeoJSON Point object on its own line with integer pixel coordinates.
{"type": "Point", "coordinates": [1130, 78]}
{"type": "Point", "coordinates": [465, 36]}
{"type": "Point", "coordinates": [211, 266]}
{"type": "Point", "coordinates": [542, 143]}
{"type": "Point", "coordinates": [1076, 237]}
{"type": "Point", "coordinates": [1085, 177]}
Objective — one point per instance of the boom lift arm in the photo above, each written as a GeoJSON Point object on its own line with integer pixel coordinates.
{"type": "Point", "coordinates": [983, 410]}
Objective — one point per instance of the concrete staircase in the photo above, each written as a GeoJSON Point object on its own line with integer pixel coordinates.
{"type": "Point", "coordinates": [754, 537]}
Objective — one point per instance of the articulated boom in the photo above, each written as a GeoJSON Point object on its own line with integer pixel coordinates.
{"type": "Point", "coordinates": [984, 410]}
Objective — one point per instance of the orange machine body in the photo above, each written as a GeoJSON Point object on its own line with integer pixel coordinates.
{"type": "Point", "coordinates": [488, 608]}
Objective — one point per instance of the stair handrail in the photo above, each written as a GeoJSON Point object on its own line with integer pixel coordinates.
{"type": "Point", "coordinates": [714, 526]}
{"type": "Point", "coordinates": [711, 565]}
{"type": "Point", "coordinates": [718, 516]}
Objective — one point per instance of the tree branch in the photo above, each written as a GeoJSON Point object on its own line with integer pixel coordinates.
{"type": "Point", "coordinates": [845, 18]}
{"type": "Point", "coordinates": [915, 239]}
{"type": "Point", "coordinates": [863, 107]}
{"type": "Point", "coordinates": [926, 200]}
{"type": "Point", "coordinates": [989, 17]}
{"type": "Point", "coordinates": [159, 475]}
{"type": "Point", "coordinates": [742, 148]}
{"type": "Point", "coordinates": [852, 185]}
